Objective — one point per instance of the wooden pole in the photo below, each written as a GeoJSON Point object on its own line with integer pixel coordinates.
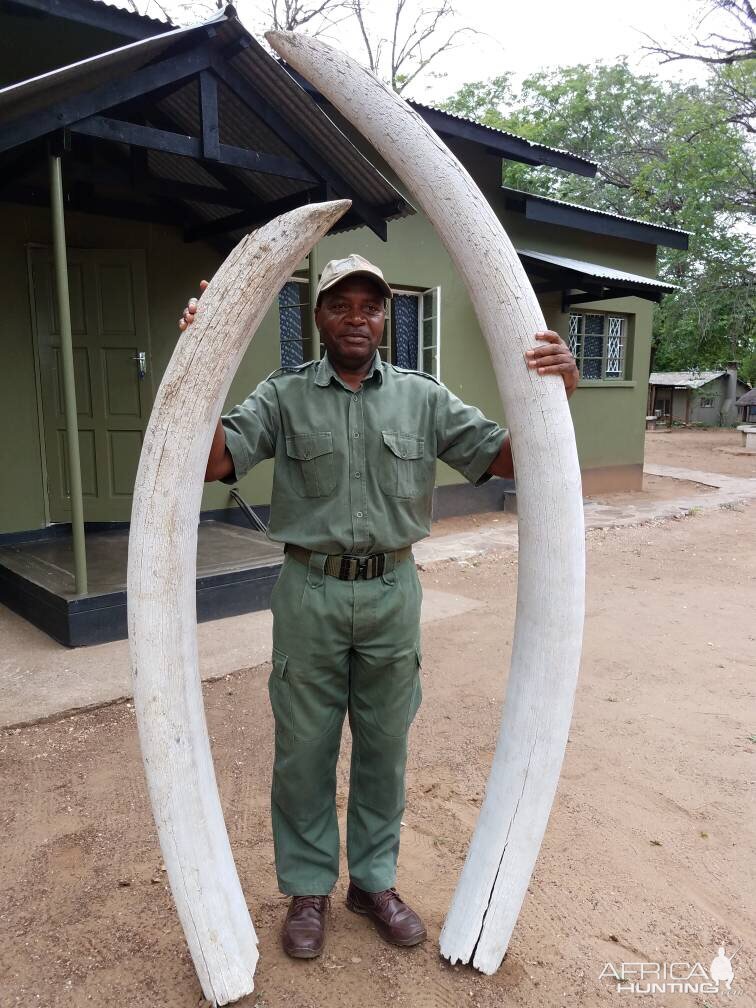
{"type": "Point", "coordinates": [67, 371]}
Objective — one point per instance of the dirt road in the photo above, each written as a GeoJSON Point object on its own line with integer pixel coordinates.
{"type": "Point", "coordinates": [648, 855]}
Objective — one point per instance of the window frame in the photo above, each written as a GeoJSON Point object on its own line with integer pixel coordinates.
{"type": "Point", "coordinates": [605, 378]}
{"type": "Point", "coordinates": [303, 283]}
{"type": "Point", "coordinates": [386, 348]}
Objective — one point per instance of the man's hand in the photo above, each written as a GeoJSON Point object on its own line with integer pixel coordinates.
{"type": "Point", "coordinates": [554, 358]}
{"type": "Point", "coordinates": [188, 314]}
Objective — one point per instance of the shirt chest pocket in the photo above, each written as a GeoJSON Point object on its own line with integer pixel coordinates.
{"type": "Point", "coordinates": [403, 470]}
{"type": "Point", "coordinates": [311, 463]}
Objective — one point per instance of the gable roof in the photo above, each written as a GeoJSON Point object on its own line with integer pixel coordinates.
{"type": "Point", "coordinates": [684, 379]}
{"type": "Point", "coordinates": [257, 108]}
{"type": "Point", "coordinates": [97, 14]}
{"type": "Point", "coordinates": [505, 144]}
{"type": "Point", "coordinates": [597, 270]}
{"type": "Point", "coordinates": [584, 218]}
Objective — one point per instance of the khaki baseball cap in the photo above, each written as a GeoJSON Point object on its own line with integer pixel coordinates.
{"type": "Point", "coordinates": [354, 265]}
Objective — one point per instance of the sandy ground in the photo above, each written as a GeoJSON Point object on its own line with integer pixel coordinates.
{"type": "Point", "coordinates": [648, 854]}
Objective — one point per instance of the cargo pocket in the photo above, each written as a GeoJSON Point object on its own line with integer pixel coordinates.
{"type": "Point", "coordinates": [401, 694]}
{"type": "Point", "coordinates": [312, 463]}
{"type": "Point", "coordinates": [417, 695]}
{"type": "Point", "coordinates": [403, 471]}
{"type": "Point", "coordinates": [279, 692]}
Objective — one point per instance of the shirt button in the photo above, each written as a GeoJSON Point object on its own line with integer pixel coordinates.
{"type": "Point", "coordinates": [356, 433]}
{"type": "Point", "coordinates": [355, 398]}
{"type": "Point", "coordinates": [358, 515]}
{"type": "Point", "coordinates": [357, 475]}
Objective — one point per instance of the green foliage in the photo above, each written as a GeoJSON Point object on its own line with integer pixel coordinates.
{"type": "Point", "coordinates": [677, 154]}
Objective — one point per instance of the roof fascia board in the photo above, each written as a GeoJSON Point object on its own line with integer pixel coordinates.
{"type": "Point", "coordinates": [510, 147]}
{"type": "Point", "coordinates": [98, 15]}
{"type": "Point", "coordinates": [114, 92]}
{"type": "Point", "coordinates": [596, 223]}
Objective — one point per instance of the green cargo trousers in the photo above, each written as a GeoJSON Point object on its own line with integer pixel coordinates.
{"type": "Point", "coordinates": [338, 647]}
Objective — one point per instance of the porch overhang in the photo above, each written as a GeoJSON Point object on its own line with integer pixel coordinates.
{"type": "Point", "coordinates": [581, 282]}
{"type": "Point", "coordinates": [197, 127]}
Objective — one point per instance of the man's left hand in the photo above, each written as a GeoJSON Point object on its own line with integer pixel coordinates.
{"type": "Point", "coordinates": [554, 358]}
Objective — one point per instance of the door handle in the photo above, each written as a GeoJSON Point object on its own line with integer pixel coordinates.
{"type": "Point", "coordinates": [141, 359]}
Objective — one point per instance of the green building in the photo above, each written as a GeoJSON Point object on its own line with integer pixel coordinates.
{"type": "Point", "coordinates": [165, 146]}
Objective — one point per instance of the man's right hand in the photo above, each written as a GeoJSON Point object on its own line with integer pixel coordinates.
{"type": "Point", "coordinates": [188, 315]}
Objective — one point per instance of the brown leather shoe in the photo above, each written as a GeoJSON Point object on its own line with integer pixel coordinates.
{"type": "Point", "coordinates": [395, 921]}
{"type": "Point", "coordinates": [303, 933]}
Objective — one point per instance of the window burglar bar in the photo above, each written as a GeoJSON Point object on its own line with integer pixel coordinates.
{"type": "Point", "coordinates": [293, 303]}
{"type": "Point", "coordinates": [597, 341]}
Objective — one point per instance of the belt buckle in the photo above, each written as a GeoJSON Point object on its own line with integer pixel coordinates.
{"type": "Point", "coordinates": [362, 568]}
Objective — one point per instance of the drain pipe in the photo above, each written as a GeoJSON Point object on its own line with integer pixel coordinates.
{"type": "Point", "coordinates": [67, 368]}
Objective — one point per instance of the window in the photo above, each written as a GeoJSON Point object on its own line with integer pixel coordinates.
{"type": "Point", "coordinates": [293, 308]}
{"type": "Point", "coordinates": [598, 342]}
{"type": "Point", "coordinates": [413, 331]}
{"type": "Point", "coordinates": [411, 338]}
{"type": "Point", "coordinates": [706, 401]}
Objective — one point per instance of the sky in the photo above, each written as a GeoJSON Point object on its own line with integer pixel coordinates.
{"type": "Point", "coordinates": [526, 37]}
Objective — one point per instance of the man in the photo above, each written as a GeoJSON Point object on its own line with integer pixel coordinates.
{"type": "Point", "coordinates": [355, 443]}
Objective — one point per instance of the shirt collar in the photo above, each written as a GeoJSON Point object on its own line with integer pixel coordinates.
{"type": "Point", "coordinates": [325, 371]}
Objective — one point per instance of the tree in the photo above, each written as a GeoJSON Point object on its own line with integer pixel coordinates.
{"type": "Point", "coordinates": [407, 52]}
{"type": "Point", "coordinates": [715, 48]}
{"type": "Point", "coordinates": [298, 15]}
{"type": "Point", "coordinates": [400, 40]}
{"type": "Point", "coordinates": [730, 58]}
{"type": "Point", "coordinates": [667, 152]}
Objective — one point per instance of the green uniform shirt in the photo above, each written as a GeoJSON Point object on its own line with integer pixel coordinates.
{"type": "Point", "coordinates": [355, 470]}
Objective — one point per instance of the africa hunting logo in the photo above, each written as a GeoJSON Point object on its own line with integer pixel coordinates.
{"type": "Point", "coordinates": [672, 978]}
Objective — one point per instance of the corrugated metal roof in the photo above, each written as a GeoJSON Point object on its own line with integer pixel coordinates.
{"type": "Point", "coordinates": [147, 18]}
{"type": "Point", "coordinates": [684, 379]}
{"type": "Point", "coordinates": [66, 82]}
{"type": "Point", "coordinates": [485, 128]}
{"type": "Point", "coordinates": [748, 399]}
{"type": "Point", "coordinates": [241, 124]}
{"type": "Point", "coordinates": [297, 108]}
{"type": "Point", "coordinates": [591, 210]}
{"type": "Point", "coordinates": [597, 270]}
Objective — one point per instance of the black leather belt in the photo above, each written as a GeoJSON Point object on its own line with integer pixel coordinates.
{"type": "Point", "coordinates": [348, 567]}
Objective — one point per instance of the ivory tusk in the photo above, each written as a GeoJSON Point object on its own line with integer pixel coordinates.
{"type": "Point", "coordinates": [550, 596]}
{"type": "Point", "coordinates": [162, 592]}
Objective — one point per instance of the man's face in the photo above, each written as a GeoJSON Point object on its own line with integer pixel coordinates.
{"type": "Point", "coordinates": [350, 320]}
